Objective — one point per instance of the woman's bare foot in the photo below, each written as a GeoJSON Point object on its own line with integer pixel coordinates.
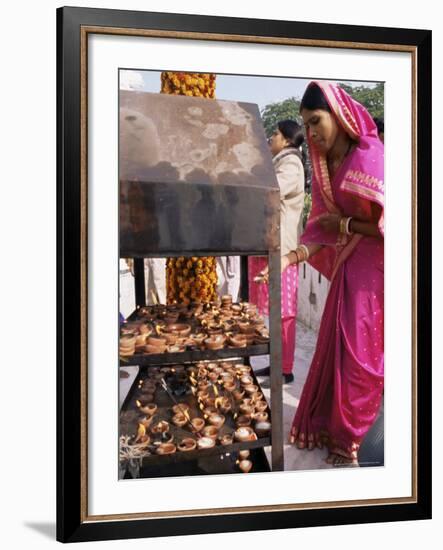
{"type": "Point", "coordinates": [340, 461]}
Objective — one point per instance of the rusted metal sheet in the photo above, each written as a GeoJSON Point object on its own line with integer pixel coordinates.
{"type": "Point", "coordinates": [195, 175]}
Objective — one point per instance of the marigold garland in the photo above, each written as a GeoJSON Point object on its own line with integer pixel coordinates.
{"type": "Point", "coordinates": [190, 279]}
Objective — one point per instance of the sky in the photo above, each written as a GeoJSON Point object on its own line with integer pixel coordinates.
{"type": "Point", "coordinates": [261, 90]}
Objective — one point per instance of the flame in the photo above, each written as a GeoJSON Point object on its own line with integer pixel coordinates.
{"type": "Point", "coordinates": [215, 390]}
{"type": "Point", "coordinates": [201, 406]}
{"type": "Point", "coordinates": [138, 403]}
{"type": "Point", "coordinates": [218, 401]}
{"type": "Point", "coordinates": [235, 416]}
{"type": "Point", "coordinates": [158, 330]}
{"type": "Point", "coordinates": [141, 433]}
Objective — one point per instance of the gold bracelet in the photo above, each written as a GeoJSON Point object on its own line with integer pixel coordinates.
{"type": "Point", "coordinates": [343, 225]}
{"type": "Point", "coordinates": [304, 250]}
{"type": "Point", "coordinates": [348, 227]}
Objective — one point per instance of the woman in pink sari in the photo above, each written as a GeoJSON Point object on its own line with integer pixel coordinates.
{"type": "Point", "coordinates": [343, 240]}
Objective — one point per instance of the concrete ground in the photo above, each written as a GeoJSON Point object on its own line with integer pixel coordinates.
{"type": "Point", "coordinates": [295, 459]}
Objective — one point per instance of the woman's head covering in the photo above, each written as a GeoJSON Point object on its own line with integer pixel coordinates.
{"type": "Point", "coordinates": [363, 178]}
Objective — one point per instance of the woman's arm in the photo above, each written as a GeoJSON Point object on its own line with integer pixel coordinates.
{"type": "Point", "coordinates": [294, 258]}
{"type": "Point", "coordinates": [331, 223]}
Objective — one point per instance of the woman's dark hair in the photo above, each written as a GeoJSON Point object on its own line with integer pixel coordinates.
{"type": "Point", "coordinates": [313, 98]}
{"type": "Point", "coordinates": [380, 125]}
{"type": "Point", "coordinates": [292, 131]}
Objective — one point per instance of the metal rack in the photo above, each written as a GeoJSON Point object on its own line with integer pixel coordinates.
{"type": "Point", "coordinates": [169, 211]}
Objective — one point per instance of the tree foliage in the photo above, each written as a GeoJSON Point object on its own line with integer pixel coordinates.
{"type": "Point", "coordinates": [283, 110]}
{"type": "Point", "coordinates": [371, 98]}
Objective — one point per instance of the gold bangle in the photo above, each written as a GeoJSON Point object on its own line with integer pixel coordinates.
{"type": "Point", "coordinates": [302, 253]}
{"type": "Point", "coordinates": [343, 225]}
{"type": "Point", "coordinates": [348, 227]}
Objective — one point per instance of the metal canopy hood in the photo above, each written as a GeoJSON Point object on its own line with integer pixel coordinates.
{"type": "Point", "coordinates": [196, 177]}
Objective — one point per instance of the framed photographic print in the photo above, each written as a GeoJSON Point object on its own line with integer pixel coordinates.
{"type": "Point", "coordinates": [238, 259]}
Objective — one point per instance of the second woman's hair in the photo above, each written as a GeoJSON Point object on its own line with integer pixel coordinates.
{"type": "Point", "coordinates": [292, 131]}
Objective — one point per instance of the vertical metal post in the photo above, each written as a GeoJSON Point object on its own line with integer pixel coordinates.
{"type": "Point", "coordinates": [244, 286]}
{"type": "Point", "coordinates": [139, 282]}
{"type": "Point", "coordinates": [275, 357]}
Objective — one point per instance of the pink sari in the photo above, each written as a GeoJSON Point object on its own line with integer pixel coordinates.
{"type": "Point", "coordinates": [343, 390]}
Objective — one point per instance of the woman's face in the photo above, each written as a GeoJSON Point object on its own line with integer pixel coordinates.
{"type": "Point", "coordinates": [322, 128]}
{"type": "Point", "coordinates": [277, 142]}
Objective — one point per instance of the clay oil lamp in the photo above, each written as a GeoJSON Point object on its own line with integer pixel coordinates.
{"type": "Point", "coordinates": [180, 408]}
{"type": "Point", "coordinates": [245, 466]}
{"type": "Point", "coordinates": [180, 329]}
{"type": "Point", "coordinates": [244, 433]}
{"type": "Point", "coordinates": [199, 338]}
{"type": "Point", "coordinates": [243, 421]}
{"type": "Point", "coordinates": [170, 338]}
{"type": "Point", "coordinates": [176, 349]}
{"type": "Point", "coordinates": [202, 395]}
{"type": "Point", "coordinates": [226, 439]}
{"type": "Point", "coordinates": [210, 431]}
{"type": "Point", "coordinates": [246, 410]}
{"type": "Point", "coordinates": [237, 341]}
{"type": "Point", "coordinates": [171, 317]}
{"type": "Point", "coordinates": [242, 370]}
{"type": "Point", "coordinates": [166, 449]}
{"type": "Point", "coordinates": [261, 417]}
{"type": "Point", "coordinates": [214, 342]}
{"type": "Point", "coordinates": [127, 345]}
{"type": "Point", "coordinates": [187, 444]}
{"type": "Point", "coordinates": [258, 340]}
{"type": "Point", "coordinates": [145, 398]}
{"type": "Point", "coordinates": [140, 340]}
{"type": "Point", "coordinates": [216, 419]}
{"type": "Point", "coordinates": [262, 429]}
{"type": "Point", "coordinates": [226, 299]}
{"type": "Point", "coordinates": [192, 371]}
{"type": "Point", "coordinates": [229, 386]}
{"type": "Point", "coordinates": [238, 394]}
{"type": "Point", "coordinates": [151, 350]}
{"type": "Point", "coordinates": [207, 411]}
{"type": "Point", "coordinates": [203, 385]}
{"type": "Point", "coordinates": [226, 377]}
{"type": "Point", "coordinates": [161, 427]}
{"type": "Point", "coordinates": [257, 396]}
{"type": "Point", "coordinates": [245, 327]}
{"type": "Point", "coordinates": [236, 308]}
{"type": "Point", "coordinates": [156, 341]}
{"type": "Point", "coordinates": [249, 339]}
{"type": "Point", "coordinates": [209, 402]}
{"type": "Point", "coordinates": [146, 421]}
{"type": "Point", "coordinates": [147, 408]}
{"type": "Point", "coordinates": [243, 455]}
{"type": "Point", "coordinates": [213, 376]}
{"type": "Point", "coordinates": [246, 380]}
{"type": "Point", "coordinates": [146, 329]}
{"type": "Point", "coordinates": [179, 420]}
{"type": "Point", "coordinates": [225, 404]}
{"type": "Point", "coordinates": [248, 402]}
{"type": "Point", "coordinates": [142, 437]}
{"type": "Point", "coordinates": [251, 389]}
{"type": "Point", "coordinates": [261, 406]}
{"type": "Point", "coordinates": [205, 443]}
{"type": "Point", "coordinates": [198, 424]}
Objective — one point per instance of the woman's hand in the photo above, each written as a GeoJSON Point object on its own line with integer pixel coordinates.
{"type": "Point", "coordinates": [330, 222]}
{"type": "Point", "coordinates": [285, 262]}
{"type": "Point", "coordinates": [263, 276]}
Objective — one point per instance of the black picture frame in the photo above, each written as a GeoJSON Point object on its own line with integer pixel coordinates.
{"type": "Point", "coordinates": [73, 524]}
